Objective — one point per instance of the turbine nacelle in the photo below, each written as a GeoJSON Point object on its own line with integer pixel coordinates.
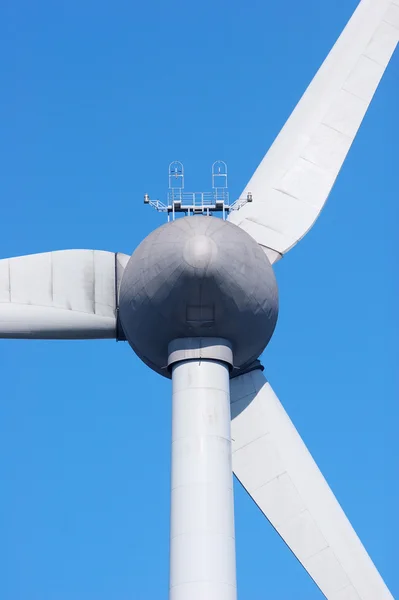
{"type": "Point", "coordinates": [198, 277]}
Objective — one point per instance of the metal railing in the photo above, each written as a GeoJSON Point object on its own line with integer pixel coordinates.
{"type": "Point", "coordinates": [198, 198]}
{"type": "Point", "coordinates": [190, 203]}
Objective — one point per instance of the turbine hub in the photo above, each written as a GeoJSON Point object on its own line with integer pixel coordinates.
{"type": "Point", "coordinates": [198, 276]}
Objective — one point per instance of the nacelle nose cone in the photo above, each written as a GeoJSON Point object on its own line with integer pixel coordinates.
{"type": "Point", "coordinates": [199, 250]}
{"type": "Point", "coordinates": [198, 277]}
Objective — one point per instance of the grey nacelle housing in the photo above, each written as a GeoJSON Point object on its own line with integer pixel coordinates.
{"type": "Point", "coordinates": [198, 276]}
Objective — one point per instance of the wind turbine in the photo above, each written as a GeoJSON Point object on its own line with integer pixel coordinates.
{"type": "Point", "coordinates": [193, 313]}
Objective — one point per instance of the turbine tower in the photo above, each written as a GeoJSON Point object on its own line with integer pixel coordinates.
{"type": "Point", "coordinates": [198, 303]}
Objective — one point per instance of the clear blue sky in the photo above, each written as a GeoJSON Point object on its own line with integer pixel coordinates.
{"type": "Point", "coordinates": [97, 98]}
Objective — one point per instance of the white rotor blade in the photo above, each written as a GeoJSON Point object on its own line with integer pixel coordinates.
{"type": "Point", "coordinates": [69, 294]}
{"type": "Point", "coordinates": [275, 467]}
{"type": "Point", "coordinates": [293, 181]}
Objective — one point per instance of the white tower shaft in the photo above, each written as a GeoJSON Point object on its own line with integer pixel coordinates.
{"type": "Point", "coordinates": [202, 541]}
